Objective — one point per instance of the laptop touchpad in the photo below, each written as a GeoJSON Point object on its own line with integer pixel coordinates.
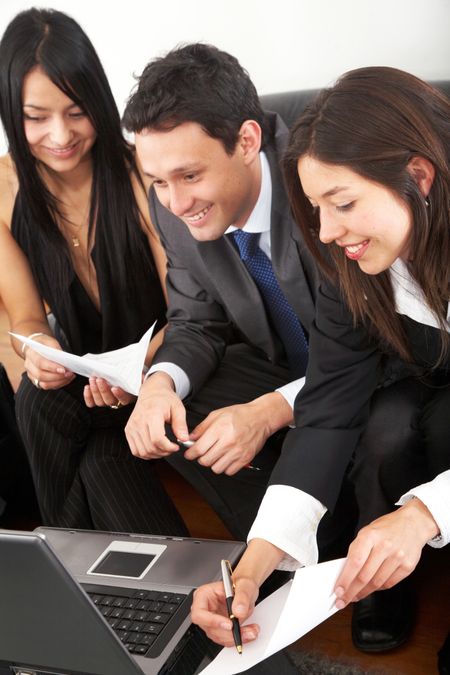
{"type": "Point", "coordinates": [131, 560]}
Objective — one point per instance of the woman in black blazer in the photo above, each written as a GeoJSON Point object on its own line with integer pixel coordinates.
{"type": "Point", "coordinates": [368, 175]}
{"type": "Point", "coordinates": [373, 158]}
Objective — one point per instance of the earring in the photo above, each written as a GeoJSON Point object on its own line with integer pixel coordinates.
{"type": "Point", "coordinates": [427, 202]}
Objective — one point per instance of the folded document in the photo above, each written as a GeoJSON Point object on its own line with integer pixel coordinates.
{"type": "Point", "coordinates": [121, 367]}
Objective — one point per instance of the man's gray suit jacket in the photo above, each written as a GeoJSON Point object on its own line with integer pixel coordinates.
{"type": "Point", "coordinates": [213, 302]}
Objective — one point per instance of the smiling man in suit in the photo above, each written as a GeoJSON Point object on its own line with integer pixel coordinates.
{"type": "Point", "coordinates": [242, 292]}
{"type": "Point", "coordinates": [241, 284]}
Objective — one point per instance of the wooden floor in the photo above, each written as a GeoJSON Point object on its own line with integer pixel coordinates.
{"type": "Point", "coordinates": [432, 579]}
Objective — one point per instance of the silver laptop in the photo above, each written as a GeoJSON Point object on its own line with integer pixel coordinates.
{"type": "Point", "coordinates": [76, 602]}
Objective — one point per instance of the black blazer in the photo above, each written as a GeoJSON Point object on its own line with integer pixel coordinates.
{"type": "Point", "coordinates": [345, 367]}
{"type": "Point", "coordinates": [213, 300]}
{"type": "Point", "coordinates": [331, 410]}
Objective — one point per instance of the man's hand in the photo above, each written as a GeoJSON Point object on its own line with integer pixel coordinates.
{"type": "Point", "coordinates": [157, 405]}
{"type": "Point", "coordinates": [385, 552]}
{"type": "Point", "coordinates": [100, 393]}
{"type": "Point", "coordinates": [229, 438]}
{"type": "Point", "coordinates": [42, 372]}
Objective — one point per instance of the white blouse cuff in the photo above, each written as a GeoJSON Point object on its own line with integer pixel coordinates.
{"type": "Point", "coordinates": [436, 496]}
{"type": "Point", "coordinates": [288, 518]}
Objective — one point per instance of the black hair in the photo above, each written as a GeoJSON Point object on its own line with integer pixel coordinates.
{"type": "Point", "coordinates": [58, 45]}
{"type": "Point", "coordinates": [195, 83]}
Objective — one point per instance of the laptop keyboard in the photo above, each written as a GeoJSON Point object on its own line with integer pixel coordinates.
{"type": "Point", "coordinates": [144, 621]}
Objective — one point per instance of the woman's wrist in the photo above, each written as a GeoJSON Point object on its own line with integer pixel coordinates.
{"type": "Point", "coordinates": [33, 336]}
{"type": "Point", "coordinates": [422, 518]}
{"type": "Point", "coordinates": [259, 561]}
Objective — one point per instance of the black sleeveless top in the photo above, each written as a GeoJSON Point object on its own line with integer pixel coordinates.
{"type": "Point", "coordinates": [120, 322]}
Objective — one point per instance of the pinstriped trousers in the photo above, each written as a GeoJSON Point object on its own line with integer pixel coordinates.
{"type": "Point", "coordinates": [84, 473]}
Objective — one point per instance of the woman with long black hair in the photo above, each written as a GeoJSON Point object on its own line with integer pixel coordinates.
{"type": "Point", "coordinates": [75, 238]}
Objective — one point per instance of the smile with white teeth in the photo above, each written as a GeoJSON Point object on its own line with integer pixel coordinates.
{"type": "Point", "coordinates": [199, 215]}
{"type": "Point", "coordinates": [354, 248]}
{"type": "Point", "coordinates": [62, 150]}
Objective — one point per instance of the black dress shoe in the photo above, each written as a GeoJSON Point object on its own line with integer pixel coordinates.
{"type": "Point", "coordinates": [384, 619]}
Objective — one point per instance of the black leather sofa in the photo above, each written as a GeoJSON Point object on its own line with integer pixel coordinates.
{"type": "Point", "coordinates": [290, 104]}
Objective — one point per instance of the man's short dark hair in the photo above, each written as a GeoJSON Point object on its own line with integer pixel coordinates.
{"type": "Point", "coordinates": [195, 83]}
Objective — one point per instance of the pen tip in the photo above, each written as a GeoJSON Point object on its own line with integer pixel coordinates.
{"type": "Point", "coordinates": [239, 648]}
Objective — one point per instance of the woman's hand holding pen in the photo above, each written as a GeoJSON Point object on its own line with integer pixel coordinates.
{"type": "Point", "coordinates": [209, 611]}
{"type": "Point", "coordinates": [209, 608]}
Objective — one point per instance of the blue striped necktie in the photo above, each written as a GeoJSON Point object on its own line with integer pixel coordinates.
{"type": "Point", "coordinates": [283, 317]}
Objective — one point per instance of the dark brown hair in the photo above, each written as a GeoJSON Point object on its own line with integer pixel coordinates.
{"type": "Point", "coordinates": [374, 121]}
{"type": "Point", "coordinates": [195, 83]}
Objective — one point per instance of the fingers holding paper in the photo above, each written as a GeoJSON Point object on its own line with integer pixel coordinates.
{"type": "Point", "coordinates": [100, 393]}
{"type": "Point", "coordinates": [44, 373]}
{"type": "Point", "coordinates": [385, 552]}
{"type": "Point", "coordinates": [209, 611]}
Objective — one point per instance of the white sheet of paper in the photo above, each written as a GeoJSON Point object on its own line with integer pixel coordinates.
{"type": "Point", "coordinates": [283, 617]}
{"type": "Point", "coordinates": [120, 367]}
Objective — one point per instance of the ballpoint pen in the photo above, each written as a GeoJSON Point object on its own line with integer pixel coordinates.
{"type": "Point", "coordinates": [229, 595]}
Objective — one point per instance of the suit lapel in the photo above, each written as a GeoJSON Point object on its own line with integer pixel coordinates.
{"type": "Point", "coordinates": [289, 259]}
{"type": "Point", "coordinates": [287, 247]}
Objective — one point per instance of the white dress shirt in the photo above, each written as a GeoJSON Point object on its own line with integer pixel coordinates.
{"type": "Point", "coordinates": [258, 221]}
{"type": "Point", "coordinates": [289, 518]}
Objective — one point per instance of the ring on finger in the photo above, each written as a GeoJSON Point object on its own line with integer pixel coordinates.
{"type": "Point", "coordinates": [116, 406]}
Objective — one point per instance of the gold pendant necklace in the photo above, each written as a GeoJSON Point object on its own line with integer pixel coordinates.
{"type": "Point", "coordinates": [72, 230]}
{"type": "Point", "coordinates": [74, 238]}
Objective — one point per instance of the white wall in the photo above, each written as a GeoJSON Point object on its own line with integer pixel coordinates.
{"type": "Point", "coordinates": [303, 43]}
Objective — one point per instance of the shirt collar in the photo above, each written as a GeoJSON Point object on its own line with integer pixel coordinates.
{"type": "Point", "coordinates": [259, 219]}
{"type": "Point", "coordinates": [409, 297]}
